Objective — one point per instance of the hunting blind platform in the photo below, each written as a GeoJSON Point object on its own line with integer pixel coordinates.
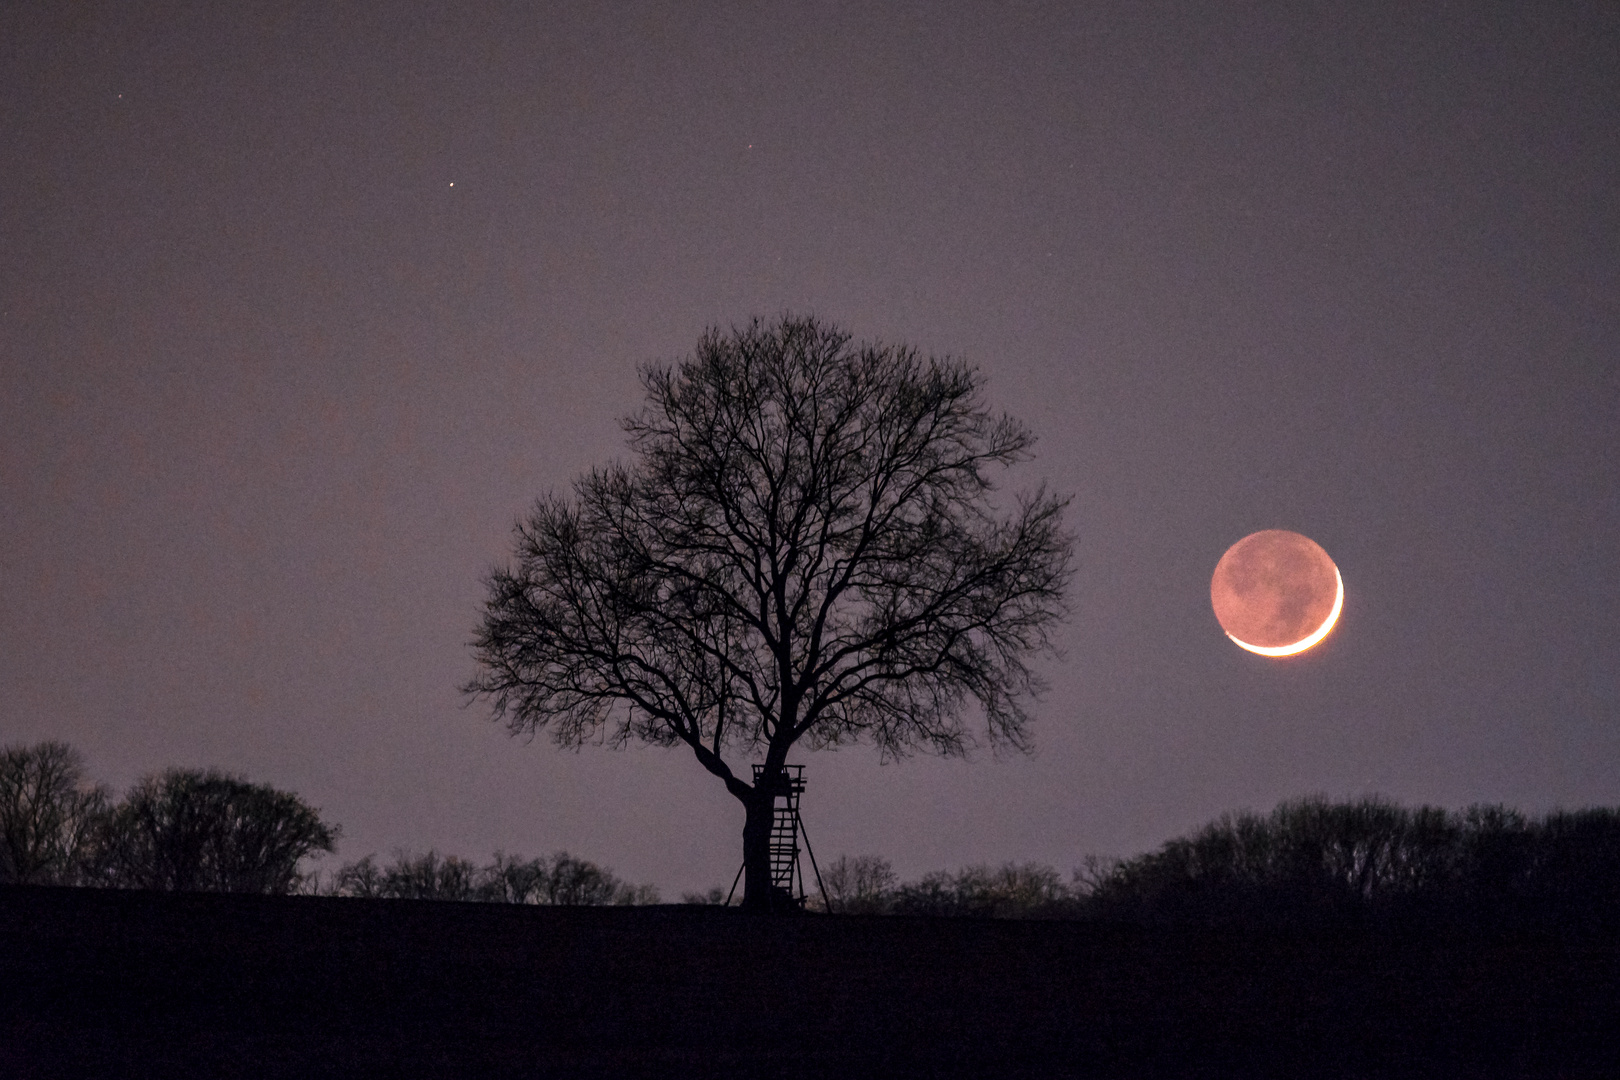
{"type": "Point", "coordinates": [787, 875]}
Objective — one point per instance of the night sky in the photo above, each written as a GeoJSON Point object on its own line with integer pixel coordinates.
{"type": "Point", "coordinates": [302, 305]}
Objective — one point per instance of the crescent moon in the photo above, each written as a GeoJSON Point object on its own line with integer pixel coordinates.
{"type": "Point", "coordinates": [1310, 639]}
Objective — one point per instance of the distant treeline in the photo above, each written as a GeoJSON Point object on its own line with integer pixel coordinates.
{"type": "Point", "coordinates": [507, 879]}
{"type": "Point", "coordinates": [187, 830]}
{"type": "Point", "coordinates": [1308, 858]}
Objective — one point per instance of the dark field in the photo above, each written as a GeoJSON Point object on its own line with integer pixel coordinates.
{"type": "Point", "coordinates": [117, 984]}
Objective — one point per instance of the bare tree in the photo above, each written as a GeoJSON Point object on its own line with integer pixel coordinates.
{"type": "Point", "coordinates": [512, 879]}
{"type": "Point", "coordinates": [507, 879]}
{"type": "Point", "coordinates": [430, 877]}
{"type": "Point", "coordinates": [806, 548]}
{"type": "Point", "coordinates": [47, 812]}
{"type": "Point", "coordinates": [860, 885]}
{"type": "Point", "coordinates": [188, 830]}
{"type": "Point", "coordinates": [362, 878]}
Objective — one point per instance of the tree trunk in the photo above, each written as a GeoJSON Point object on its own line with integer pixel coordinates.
{"type": "Point", "coordinates": [758, 894]}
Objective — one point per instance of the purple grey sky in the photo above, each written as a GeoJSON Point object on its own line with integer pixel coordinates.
{"type": "Point", "coordinates": [301, 305]}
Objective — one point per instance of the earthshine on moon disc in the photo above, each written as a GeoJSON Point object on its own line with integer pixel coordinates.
{"type": "Point", "coordinates": [1276, 593]}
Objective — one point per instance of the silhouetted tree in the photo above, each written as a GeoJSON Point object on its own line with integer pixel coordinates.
{"type": "Point", "coordinates": [1307, 855]}
{"type": "Point", "coordinates": [806, 548]}
{"type": "Point", "coordinates": [48, 811]}
{"type": "Point", "coordinates": [867, 885]}
{"type": "Point", "coordinates": [576, 881]}
{"type": "Point", "coordinates": [509, 879]}
{"type": "Point", "coordinates": [1312, 857]}
{"type": "Point", "coordinates": [188, 830]}
{"type": "Point", "coordinates": [860, 885]}
{"type": "Point", "coordinates": [1013, 889]}
{"type": "Point", "coordinates": [429, 877]}
{"type": "Point", "coordinates": [362, 878]}
{"type": "Point", "coordinates": [562, 879]}
{"type": "Point", "coordinates": [1009, 891]}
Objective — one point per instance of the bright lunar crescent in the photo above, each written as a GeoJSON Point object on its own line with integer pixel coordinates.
{"type": "Point", "coordinates": [1276, 593]}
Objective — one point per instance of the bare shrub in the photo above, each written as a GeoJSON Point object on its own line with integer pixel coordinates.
{"type": "Point", "coordinates": [49, 814]}
{"type": "Point", "coordinates": [506, 879]}
{"type": "Point", "coordinates": [860, 885]}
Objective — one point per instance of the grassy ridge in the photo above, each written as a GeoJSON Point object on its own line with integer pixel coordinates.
{"type": "Point", "coordinates": [106, 982]}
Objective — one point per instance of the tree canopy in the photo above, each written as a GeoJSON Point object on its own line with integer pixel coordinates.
{"type": "Point", "coordinates": [807, 547]}
{"type": "Point", "coordinates": [189, 830]}
{"type": "Point", "coordinates": [48, 811]}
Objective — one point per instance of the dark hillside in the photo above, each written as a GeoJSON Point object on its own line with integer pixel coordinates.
{"type": "Point", "coordinates": [119, 984]}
